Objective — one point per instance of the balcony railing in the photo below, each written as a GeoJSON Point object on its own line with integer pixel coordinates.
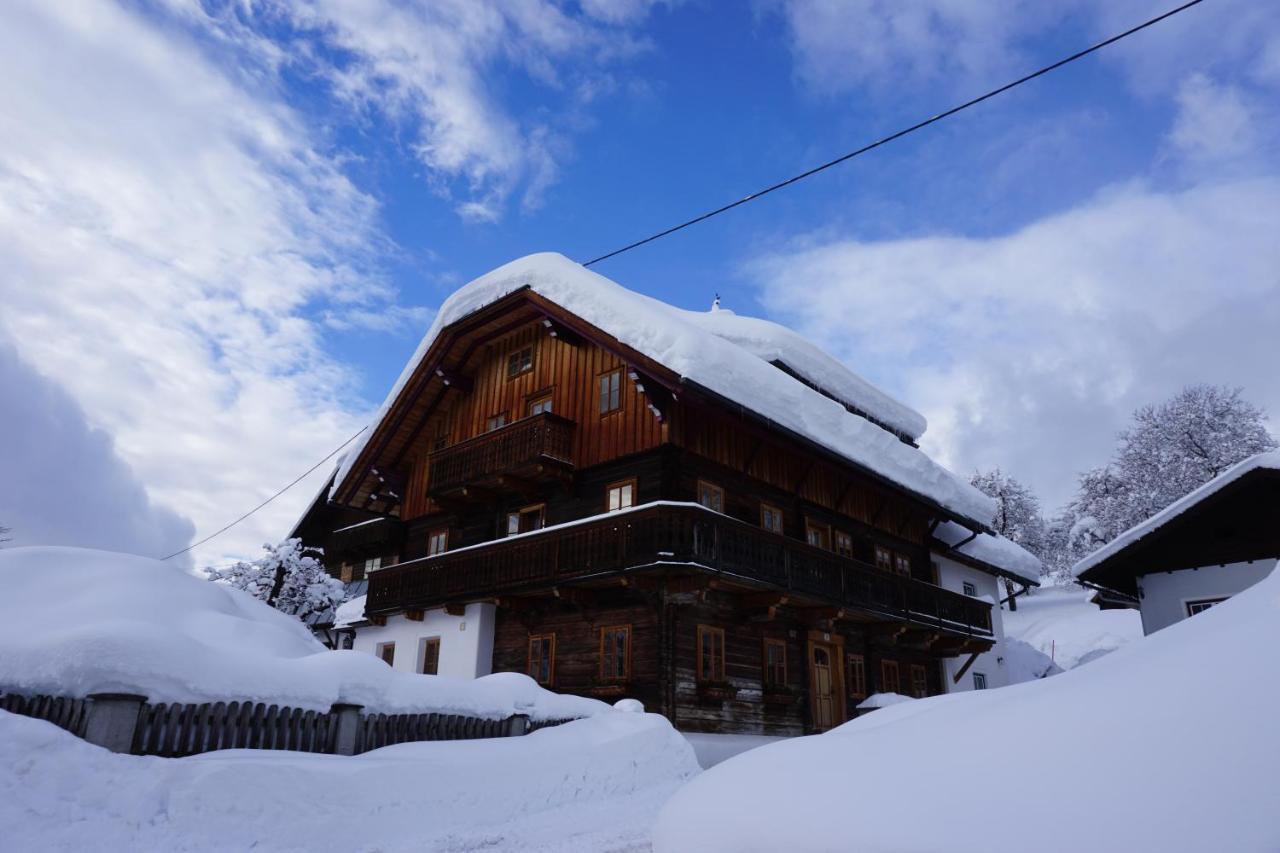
{"type": "Point", "coordinates": [671, 534]}
{"type": "Point", "coordinates": [512, 449]}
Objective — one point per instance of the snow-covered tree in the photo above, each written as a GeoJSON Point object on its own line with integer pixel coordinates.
{"type": "Point", "coordinates": [1017, 509]}
{"type": "Point", "coordinates": [289, 578]}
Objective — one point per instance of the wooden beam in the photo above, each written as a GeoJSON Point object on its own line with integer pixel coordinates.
{"type": "Point", "coordinates": [561, 332]}
{"type": "Point", "coordinates": [955, 679]}
{"type": "Point", "coordinates": [456, 609]}
{"type": "Point", "coordinates": [757, 600]}
{"type": "Point", "coordinates": [378, 620]}
{"type": "Point", "coordinates": [693, 583]}
{"type": "Point", "coordinates": [414, 615]}
{"type": "Point", "coordinates": [574, 595]}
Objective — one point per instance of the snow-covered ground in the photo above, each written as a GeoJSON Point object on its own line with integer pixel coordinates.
{"type": "Point", "coordinates": [1168, 744]}
{"type": "Point", "coordinates": [1060, 623]}
{"type": "Point", "coordinates": [711, 749]}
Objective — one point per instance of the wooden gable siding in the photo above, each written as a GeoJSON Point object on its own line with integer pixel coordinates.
{"type": "Point", "coordinates": [569, 374]}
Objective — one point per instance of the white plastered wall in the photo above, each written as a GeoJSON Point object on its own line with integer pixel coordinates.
{"type": "Point", "coordinates": [466, 641]}
{"type": "Point", "coordinates": [952, 576]}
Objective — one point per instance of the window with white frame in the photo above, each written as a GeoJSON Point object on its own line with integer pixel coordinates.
{"type": "Point", "coordinates": [979, 681]}
{"type": "Point", "coordinates": [969, 588]}
{"type": "Point", "coordinates": [1202, 604]}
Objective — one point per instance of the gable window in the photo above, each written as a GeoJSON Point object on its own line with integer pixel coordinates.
{"type": "Point", "coordinates": [620, 495]}
{"type": "Point", "coordinates": [919, 681]}
{"type": "Point", "coordinates": [844, 544]}
{"type": "Point", "coordinates": [889, 682]}
{"type": "Point", "coordinates": [711, 496]}
{"type": "Point", "coordinates": [540, 405]}
{"type": "Point", "coordinates": [542, 658]}
{"type": "Point", "coordinates": [710, 653]}
{"type": "Point", "coordinates": [771, 518]}
{"type": "Point", "coordinates": [372, 564]}
{"type": "Point", "coordinates": [1203, 604]}
{"type": "Point", "coordinates": [902, 564]}
{"type": "Point", "coordinates": [615, 653]}
{"type": "Point", "coordinates": [970, 589]}
{"type": "Point", "coordinates": [884, 558]}
{"type": "Point", "coordinates": [526, 519]}
{"type": "Point", "coordinates": [430, 656]}
{"type": "Point", "coordinates": [387, 651]}
{"type": "Point", "coordinates": [497, 421]}
{"type": "Point", "coordinates": [817, 535]}
{"type": "Point", "coordinates": [437, 541]}
{"type": "Point", "coordinates": [775, 663]}
{"type": "Point", "coordinates": [979, 681]}
{"type": "Point", "coordinates": [520, 361]}
{"type": "Point", "coordinates": [857, 676]}
{"type": "Point", "coordinates": [610, 391]}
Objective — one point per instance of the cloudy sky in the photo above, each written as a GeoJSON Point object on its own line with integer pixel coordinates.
{"type": "Point", "coordinates": [224, 225]}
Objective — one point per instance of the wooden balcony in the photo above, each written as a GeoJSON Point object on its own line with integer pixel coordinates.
{"type": "Point", "coordinates": [685, 537]}
{"type": "Point", "coordinates": [526, 450]}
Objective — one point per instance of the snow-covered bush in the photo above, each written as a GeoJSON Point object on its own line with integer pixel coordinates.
{"type": "Point", "coordinates": [289, 578]}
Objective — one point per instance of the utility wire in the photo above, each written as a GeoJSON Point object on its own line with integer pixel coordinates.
{"type": "Point", "coordinates": [898, 135]}
{"type": "Point", "coordinates": [268, 500]}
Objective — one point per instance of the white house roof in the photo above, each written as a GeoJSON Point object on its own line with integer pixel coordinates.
{"type": "Point", "coordinates": [1269, 460]}
{"type": "Point", "coordinates": [730, 356]}
{"type": "Point", "coordinates": [996, 551]}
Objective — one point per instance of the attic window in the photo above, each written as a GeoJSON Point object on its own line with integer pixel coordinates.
{"type": "Point", "coordinates": [520, 361]}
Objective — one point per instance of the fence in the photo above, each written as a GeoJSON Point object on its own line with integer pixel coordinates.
{"type": "Point", "coordinates": [128, 723]}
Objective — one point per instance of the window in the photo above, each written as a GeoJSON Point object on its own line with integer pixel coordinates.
{"type": "Point", "coordinates": [771, 518]}
{"type": "Point", "coordinates": [437, 542]}
{"type": "Point", "coordinates": [540, 406]}
{"type": "Point", "coordinates": [615, 653]}
{"type": "Point", "coordinates": [857, 676]}
{"type": "Point", "coordinates": [430, 656]}
{"type": "Point", "coordinates": [526, 519]}
{"type": "Point", "coordinates": [520, 361]}
{"type": "Point", "coordinates": [970, 589]}
{"type": "Point", "coordinates": [387, 651]}
{"type": "Point", "coordinates": [710, 653]}
{"type": "Point", "coordinates": [620, 495]}
{"type": "Point", "coordinates": [979, 681]}
{"type": "Point", "coordinates": [1194, 607]}
{"type": "Point", "coordinates": [919, 681]}
{"type": "Point", "coordinates": [889, 682]}
{"type": "Point", "coordinates": [902, 564]}
{"type": "Point", "coordinates": [542, 658]}
{"type": "Point", "coordinates": [610, 391]}
{"type": "Point", "coordinates": [496, 421]}
{"type": "Point", "coordinates": [711, 496]}
{"type": "Point", "coordinates": [884, 558]}
{"type": "Point", "coordinates": [346, 573]}
{"type": "Point", "coordinates": [775, 663]}
{"type": "Point", "coordinates": [817, 535]}
{"type": "Point", "coordinates": [372, 564]}
{"type": "Point", "coordinates": [844, 544]}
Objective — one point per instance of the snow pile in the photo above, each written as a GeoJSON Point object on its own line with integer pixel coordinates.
{"type": "Point", "coordinates": [1269, 461]}
{"type": "Point", "coordinates": [1023, 662]}
{"type": "Point", "coordinates": [711, 749]}
{"type": "Point", "coordinates": [1061, 624]}
{"type": "Point", "coordinates": [350, 612]}
{"type": "Point", "coordinates": [1004, 554]}
{"type": "Point", "coordinates": [585, 786]}
{"type": "Point", "coordinates": [716, 362]}
{"type": "Point", "coordinates": [79, 621]}
{"type": "Point", "coordinates": [882, 700]}
{"type": "Point", "coordinates": [1161, 766]}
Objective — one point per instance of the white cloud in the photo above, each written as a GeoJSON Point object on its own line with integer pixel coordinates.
{"type": "Point", "coordinates": [1215, 122]}
{"type": "Point", "coordinates": [65, 484]}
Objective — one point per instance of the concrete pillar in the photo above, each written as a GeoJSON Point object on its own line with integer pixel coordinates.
{"type": "Point", "coordinates": [348, 728]}
{"type": "Point", "coordinates": [112, 720]}
{"type": "Point", "coordinates": [518, 724]}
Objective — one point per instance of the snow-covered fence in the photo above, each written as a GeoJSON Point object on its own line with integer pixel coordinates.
{"type": "Point", "coordinates": [171, 730]}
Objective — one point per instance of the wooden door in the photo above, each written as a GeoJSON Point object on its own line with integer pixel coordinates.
{"type": "Point", "coordinates": [822, 686]}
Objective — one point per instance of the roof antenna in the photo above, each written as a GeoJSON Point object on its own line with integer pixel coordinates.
{"type": "Point", "coordinates": [715, 303]}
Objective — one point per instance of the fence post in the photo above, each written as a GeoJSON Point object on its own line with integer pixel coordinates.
{"type": "Point", "coordinates": [517, 725]}
{"type": "Point", "coordinates": [347, 728]}
{"type": "Point", "coordinates": [112, 720]}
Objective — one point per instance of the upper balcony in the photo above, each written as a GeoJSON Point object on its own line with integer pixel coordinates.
{"type": "Point", "coordinates": [684, 537]}
{"type": "Point", "coordinates": [529, 449]}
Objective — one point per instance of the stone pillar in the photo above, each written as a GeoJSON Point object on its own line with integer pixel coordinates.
{"type": "Point", "coordinates": [517, 725]}
{"type": "Point", "coordinates": [348, 728]}
{"type": "Point", "coordinates": [113, 719]}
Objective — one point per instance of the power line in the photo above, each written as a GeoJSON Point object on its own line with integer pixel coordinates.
{"type": "Point", "coordinates": [268, 500]}
{"type": "Point", "coordinates": [898, 135]}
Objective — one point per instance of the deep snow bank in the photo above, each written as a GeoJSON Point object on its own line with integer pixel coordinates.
{"type": "Point", "coordinates": [589, 785]}
{"type": "Point", "coordinates": [1168, 744]}
{"type": "Point", "coordinates": [1060, 623]}
{"type": "Point", "coordinates": [79, 621]}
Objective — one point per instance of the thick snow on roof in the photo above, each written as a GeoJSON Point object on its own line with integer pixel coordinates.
{"type": "Point", "coordinates": [1269, 460]}
{"type": "Point", "coordinates": [997, 551]}
{"type": "Point", "coordinates": [1149, 764]}
{"type": "Point", "coordinates": [715, 354]}
{"type": "Point", "coordinates": [79, 621]}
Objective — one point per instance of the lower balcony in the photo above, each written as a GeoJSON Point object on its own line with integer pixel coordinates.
{"type": "Point", "coordinates": [674, 536]}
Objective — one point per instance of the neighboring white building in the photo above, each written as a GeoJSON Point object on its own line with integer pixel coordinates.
{"type": "Point", "coordinates": [440, 643]}
{"type": "Point", "coordinates": [1217, 541]}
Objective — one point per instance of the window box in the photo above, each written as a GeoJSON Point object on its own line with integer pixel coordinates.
{"type": "Point", "coordinates": [717, 691]}
{"type": "Point", "coordinates": [780, 696]}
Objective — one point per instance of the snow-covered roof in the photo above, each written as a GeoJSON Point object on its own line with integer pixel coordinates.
{"type": "Point", "coordinates": [731, 357]}
{"type": "Point", "coordinates": [996, 551]}
{"type": "Point", "coordinates": [1268, 461]}
{"type": "Point", "coordinates": [350, 612]}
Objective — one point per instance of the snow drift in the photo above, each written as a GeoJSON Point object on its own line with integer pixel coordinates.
{"type": "Point", "coordinates": [79, 621]}
{"type": "Point", "coordinates": [1167, 744]}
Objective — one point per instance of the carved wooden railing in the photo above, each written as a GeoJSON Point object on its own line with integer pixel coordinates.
{"type": "Point", "coordinates": [667, 533]}
{"type": "Point", "coordinates": [538, 438]}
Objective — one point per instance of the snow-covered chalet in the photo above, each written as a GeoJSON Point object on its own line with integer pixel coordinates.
{"type": "Point", "coordinates": [698, 510]}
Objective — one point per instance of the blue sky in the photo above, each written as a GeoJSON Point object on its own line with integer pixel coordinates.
{"type": "Point", "coordinates": [225, 226]}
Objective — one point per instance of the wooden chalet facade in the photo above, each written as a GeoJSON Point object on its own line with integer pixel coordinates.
{"type": "Point", "coordinates": [636, 534]}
